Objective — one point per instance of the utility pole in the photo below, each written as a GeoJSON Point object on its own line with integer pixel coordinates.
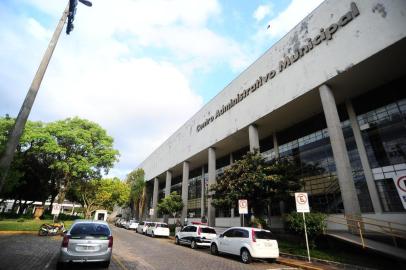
{"type": "Point", "coordinates": [25, 110]}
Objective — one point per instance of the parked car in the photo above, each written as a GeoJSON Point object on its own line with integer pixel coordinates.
{"type": "Point", "coordinates": [142, 226]}
{"type": "Point", "coordinates": [118, 222]}
{"type": "Point", "coordinates": [87, 241]}
{"type": "Point", "coordinates": [195, 236]}
{"type": "Point", "coordinates": [131, 225]}
{"type": "Point", "coordinates": [158, 229]}
{"type": "Point", "coordinates": [123, 223]}
{"type": "Point", "coordinates": [247, 243]}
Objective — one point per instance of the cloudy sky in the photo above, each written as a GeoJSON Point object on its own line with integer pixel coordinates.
{"type": "Point", "coordinates": [139, 68]}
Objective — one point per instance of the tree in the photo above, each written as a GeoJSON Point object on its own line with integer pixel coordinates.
{"type": "Point", "coordinates": [136, 181]}
{"type": "Point", "coordinates": [171, 204]}
{"type": "Point", "coordinates": [84, 152]}
{"type": "Point", "coordinates": [315, 225]}
{"type": "Point", "coordinates": [99, 194]}
{"type": "Point", "coordinates": [260, 183]}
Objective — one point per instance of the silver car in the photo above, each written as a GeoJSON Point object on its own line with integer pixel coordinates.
{"type": "Point", "coordinates": [87, 241]}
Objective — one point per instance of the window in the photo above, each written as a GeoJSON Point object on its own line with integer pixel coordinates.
{"type": "Point", "coordinates": [186, 229]}
{"type": "Point", "coordinates": [263, 235]}
{"type": "Point", "coordinates": [208, 230]}
{"type": "Point", "coordinates": [93, 229]}
{"type": "Point", "coordinates": [162, 225]}
{"type": "Point", "coordinates": [229, 233]}
{"type": "Point", "coordinates": [192, 229]}
{"type": "Point", "coordinates": [241, 233]}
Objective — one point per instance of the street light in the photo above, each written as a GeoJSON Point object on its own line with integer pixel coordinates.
{"type": "Point", "coordinates": [25, 110]}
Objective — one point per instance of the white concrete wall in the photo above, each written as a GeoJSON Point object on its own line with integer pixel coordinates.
{"type": "Point", "coordinates": [369, 33]}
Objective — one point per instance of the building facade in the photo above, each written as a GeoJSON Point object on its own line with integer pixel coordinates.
{"type": "Point", "coordinates": [331, 93]}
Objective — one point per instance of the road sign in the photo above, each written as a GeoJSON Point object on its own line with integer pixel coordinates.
{"type": "Point", "coordinates": [302, 202]}
{"type": "Point", "coordinates": [151, 211]}
{"type": "Point", "coordinates": [56, 209]}
{"type": "Point", "coordinates": [243, 206]}
{"type": "Point", "coordinates": [400, 183]}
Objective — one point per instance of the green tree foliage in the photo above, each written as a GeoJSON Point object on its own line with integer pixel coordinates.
{"type": "Point", "coordinates": [315, 225]}
{"type": "Point", "coordinates": [50, 157]}
{"type": "Point", "coordinates": [99, 194]}
{"type": "Point", "coordinates": [171, 204]}
{"type": "Point", "coordinates": [136, 181]}
{"type": "Point", "coordinates": [257, 181]}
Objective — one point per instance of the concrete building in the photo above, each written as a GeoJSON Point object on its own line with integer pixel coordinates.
{"type": "Point", "coordinates": [331, 92]}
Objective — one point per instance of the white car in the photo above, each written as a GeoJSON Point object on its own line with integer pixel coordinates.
{"type": "Point", "coordinates": [158, 229]}
{"type": "Point", "coordinates": [195, 236]}
{"type": "Point", "coordinates": [142, 226]}
{"type": "Point", "coordinates": [131, 225]}
{"type": "Point", "coordinates": [247, 243]}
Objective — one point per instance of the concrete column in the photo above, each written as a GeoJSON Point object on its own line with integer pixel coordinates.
{"type": "Point", "coordinates": [344, 171]}
{"type": "Point", "coordinates": [155, 198]}
{"type": "Point", "coordinates": [275, 145]}
{"type": "Point", "coordinates": [364, 158]}
{"type": "Point", "coordinates": [253, 137]}
{"type": "Point", "coordinates": [231, 163]}
{"type": "Point", "coordinates": [185, 189]}
{"type": "Point", "coordinates": [212, 180]}
{"type": "Point", "coordinates": [202, 200]}
{"type": "Point", "coordinates": [168, 183]}
{"type": "Point", "coordinates": [276, 151]}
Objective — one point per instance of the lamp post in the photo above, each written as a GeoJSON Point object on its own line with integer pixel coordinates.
{"type": "Point", "coordinates": [25, 110]}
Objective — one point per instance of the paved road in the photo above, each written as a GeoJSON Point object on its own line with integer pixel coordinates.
{"type": "Point", "coordinates": [130, 251]}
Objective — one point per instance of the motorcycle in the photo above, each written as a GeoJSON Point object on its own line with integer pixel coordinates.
{"type": "Point", "coordinates": [52, 229]}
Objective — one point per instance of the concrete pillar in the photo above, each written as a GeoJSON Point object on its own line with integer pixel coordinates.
{"type": "Point", "coordinates": [168, 183]}
{"type": "Point", "coordinates": [202, 199]}
{"type": "Point", "coordinates": [185, 189]}
{"type": "Point", "coordinates": [212, 180]}
{"type": "Point", "coordinates": [275, 145]}
{"type": "Point", "coordinates": [155, 198]}
{"type": "Point", "coordinates": [231, 163]}
{"type": "Point", "coordinates": [342, 162]}
{"type": "Point", "coordinates": [253, 137]}
{"type": "Point", "coordinates": [364, 158]}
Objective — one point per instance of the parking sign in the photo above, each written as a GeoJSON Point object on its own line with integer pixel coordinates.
{"type": "Point", "coordinates": [302, 202]}
{"type": "Point", "coordinates": [400, 183]}
{"type": "Point", "coordinates": [56, 209]}
{"type": "Point", "coordinates": [243, 206]}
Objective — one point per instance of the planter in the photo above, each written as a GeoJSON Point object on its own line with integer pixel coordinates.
{"type": "Point", "coordinates": [39, 210]}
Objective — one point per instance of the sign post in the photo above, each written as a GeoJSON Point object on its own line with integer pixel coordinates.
{"type": "Point", "coordinates": [151, 212]}
{"type": "Point", "coordinates": [400, 183]}
{"type": "Point", "coordinates": [56, 209]}
{"type": "Point", "coordinates": [243, 209]}
{"type": "Point", "coordinates": [302, 206]}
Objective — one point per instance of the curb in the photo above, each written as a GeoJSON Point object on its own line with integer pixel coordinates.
{"type": "Point", "coordinates": [298, 265]}
{"type": "Point", "coordinates": [326, 262]}
{"type": "Point", "coordinates": [18, 232]}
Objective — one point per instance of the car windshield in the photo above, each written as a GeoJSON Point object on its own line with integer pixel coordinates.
{"type": "Point", "coordinates": [162, 225]}
{"type": "Point", "coordinates": [208, 230]}
{"type": "Point", "coordinates": [94, 229]}
{"type": "Point", "coordinates": [263, 235]}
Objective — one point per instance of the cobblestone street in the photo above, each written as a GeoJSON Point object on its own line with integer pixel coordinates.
{"type": "Point", "coordinates": [130, 251]}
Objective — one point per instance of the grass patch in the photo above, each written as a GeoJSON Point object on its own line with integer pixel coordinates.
{"type": "Point", "coordinates": [325, 254]}
{"type": "Point", "coordinates": [26, 224]}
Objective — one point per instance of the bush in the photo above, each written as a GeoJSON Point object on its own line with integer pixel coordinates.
{"type": "Point", "coordinates": [20, 220]}
{"type": "Point", "coordinates": [315, 225]}
{"type": "Point", "coordinates": [259, 223]}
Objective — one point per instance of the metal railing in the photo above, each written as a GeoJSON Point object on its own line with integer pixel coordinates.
{"type": "Point", "coordinates": [363, 225]}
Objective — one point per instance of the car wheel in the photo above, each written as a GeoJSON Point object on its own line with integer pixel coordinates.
{"type": "Point", "coordinates": [213, 249]}
{"type": "Point", "coordinates": [176, 240]}
{"type": "Point", "coordinates": [105, 264]}
{"type": "Point", "coordinates": [245, 256]}
{"type": "Point", "coordinates": [193, 245]}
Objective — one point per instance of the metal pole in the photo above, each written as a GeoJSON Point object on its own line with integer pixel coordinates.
{"type": "Point", "coordinates": [22, 117]}
{"type": "Point", "coordinates": [307, 241]}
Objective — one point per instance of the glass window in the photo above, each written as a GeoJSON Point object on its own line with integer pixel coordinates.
{"type": "Point", "coordinates": [389, 196]}
{"type": "Point", "coordinates": [208, 230]}
{"type": "Point", "coordinates": [241, 233]}
{"type": "Point", "coordinates": [193, 229]}
{"type": "Point", "coordinates": [229, 233]}
{"type": "Point", "coordinates": [263, 235]}
{"type": "Point", "coordinates": [93, 229]}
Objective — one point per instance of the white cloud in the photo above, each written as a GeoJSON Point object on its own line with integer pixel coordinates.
{"type": "Point", "coordinates": [291, 16]}
{"type": "Point", "coordinates": [261, 12]}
